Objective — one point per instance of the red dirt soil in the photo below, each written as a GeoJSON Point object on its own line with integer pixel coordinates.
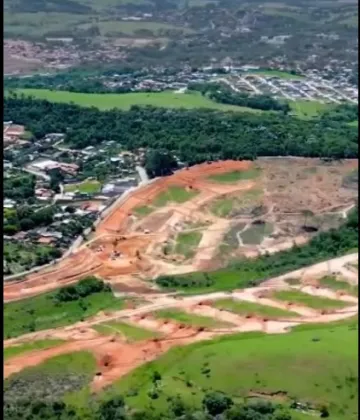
{"type": "Point", "coordinates": [96, 257]}
{"type": "Point", "coordinates": [114, 356]}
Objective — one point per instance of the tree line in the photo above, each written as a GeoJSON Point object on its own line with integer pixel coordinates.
{"type": "Point", "coordinates": [24, 218]}
{"type": "Point", "coordinates": [215, 405]}
{"type": "Point", "coordinates": [85, 287]}
{"type": "Point", "coordinates": [220, 93]}
{"type": "Point", "coordinates": [20, 187]}
{"type": "Point", "coordinates": [194, 136]}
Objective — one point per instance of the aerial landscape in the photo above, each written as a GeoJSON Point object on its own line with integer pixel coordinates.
{"type": "Point", "coordinates": [180, 210]}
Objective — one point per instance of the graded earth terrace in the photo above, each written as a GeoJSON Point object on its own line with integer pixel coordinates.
{"type": "Point", "coordinates": [200, 218]}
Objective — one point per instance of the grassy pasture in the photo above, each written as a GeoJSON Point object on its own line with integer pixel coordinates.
{"type": "Point", "coordinates": [167, 99]}
{"type": "Point", "coordinates": [142, 211]}
{"type": "Point", "coordinates": [125, 101]}
{"type": "Point", "coordinates": [42, 312]}
{"type": "Point", "coordinates": [89, 187]}
{"type": "Point", "coordinates": [322, 358]}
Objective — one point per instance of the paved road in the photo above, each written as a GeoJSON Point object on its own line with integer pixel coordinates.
{"type": "Point", "coordinates": [142, 174]}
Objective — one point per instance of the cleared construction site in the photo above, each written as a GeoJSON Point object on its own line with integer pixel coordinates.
{"type": "Point", "coordinates": [273, 308]}
{"type": "Point", "coordinates": [201, 217]}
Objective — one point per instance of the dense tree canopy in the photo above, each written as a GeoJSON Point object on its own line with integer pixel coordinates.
{"type": "Point", "coordinates": [216, 405]}
{"type": "Point", "coordinates": [19, 187]}
{"type": "Point", "coordinates": [159, 163]}
{"type": "Point", "coordinates": [224, 94]}
{"type": "Point", "coordinates": [193, 135]}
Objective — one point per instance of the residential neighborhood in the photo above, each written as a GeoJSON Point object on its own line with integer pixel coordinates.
{"type": "Point", "coordinates": [52, 197]}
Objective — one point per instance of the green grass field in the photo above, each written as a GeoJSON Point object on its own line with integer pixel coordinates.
{"type": "Point", "coordinates": [191, 320]}
{"type": "Point", "coordinates": [250, 308]}
{"type": "Point", "coordinates": [308, 109]}
{"type": "Point", "coordinates": [41, 312]}
{"type": "Point", "coordinates": [314, 302]}
{"type": "Point", "coordinates": [126, 100]}
{"type": "Point", "coordinates": [235, 176]}
{"type": "Point", "coordinates": [316, 364]}
{"type": "Point", "coordinates": [27, 347]}
{"type": "Point", "coordinates": [332, 283]}
{"type": "Point", "coordinates": [168, 99]}
{"type": "Point", "coordinates": [223, 207]}
{"type": "Point", "coordinates": [128, 331]}
{"type": "Point", "coordinates": [174, 194]}
{"type": "Point", "coordinates": [228, 205]}
{"type": "Point", "coordinates": [89, 187]}
{"type": "Point", "coordinates": [143, 211]}
{"type": "Point", "coordinates": [187, 242]}
{"type": "Point", "coordinates": [255, 234]}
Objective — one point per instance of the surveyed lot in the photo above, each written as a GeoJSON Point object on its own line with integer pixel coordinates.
{"type": "Point", "coordinates": [314, 302]}
{"type": "Point", "coordinates": [254, 309]}
{"type": "Point", "coordinates": [129, 332]}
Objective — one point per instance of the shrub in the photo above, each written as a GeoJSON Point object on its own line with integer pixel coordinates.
{"type": "Point", "coordinates": [85, 287]}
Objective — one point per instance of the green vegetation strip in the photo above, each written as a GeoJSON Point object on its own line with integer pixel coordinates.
{"type": "Point", "coordinates": [174, 194]}
{"type": "Point", "coordinates": [128, 331]}
{"type": "Point", "coordinates": [55, 309]}
{"type": "Point", "coordinates": [250, 308]}
{"type": "Point", "coordinates": [127, 100]}
{"type": "Point", "coordinates": [316, 364]}
{"type": "Point", "coordinates": [143, 211]}
{"type": "Point", "coordinates": [186, 243]}
{"type": "Point", "coordinates": [332, 283]}
{"type": "Point", "coordinates": [235, 176]}
{"type": "Point", "coordinates": [27, 347]}
{"type": "Point", "coordinates": [314, 302]}
{"type": "Point", "coordinates": [89, 187]}
{"type": "Point", "coordinates": [192, 320]}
